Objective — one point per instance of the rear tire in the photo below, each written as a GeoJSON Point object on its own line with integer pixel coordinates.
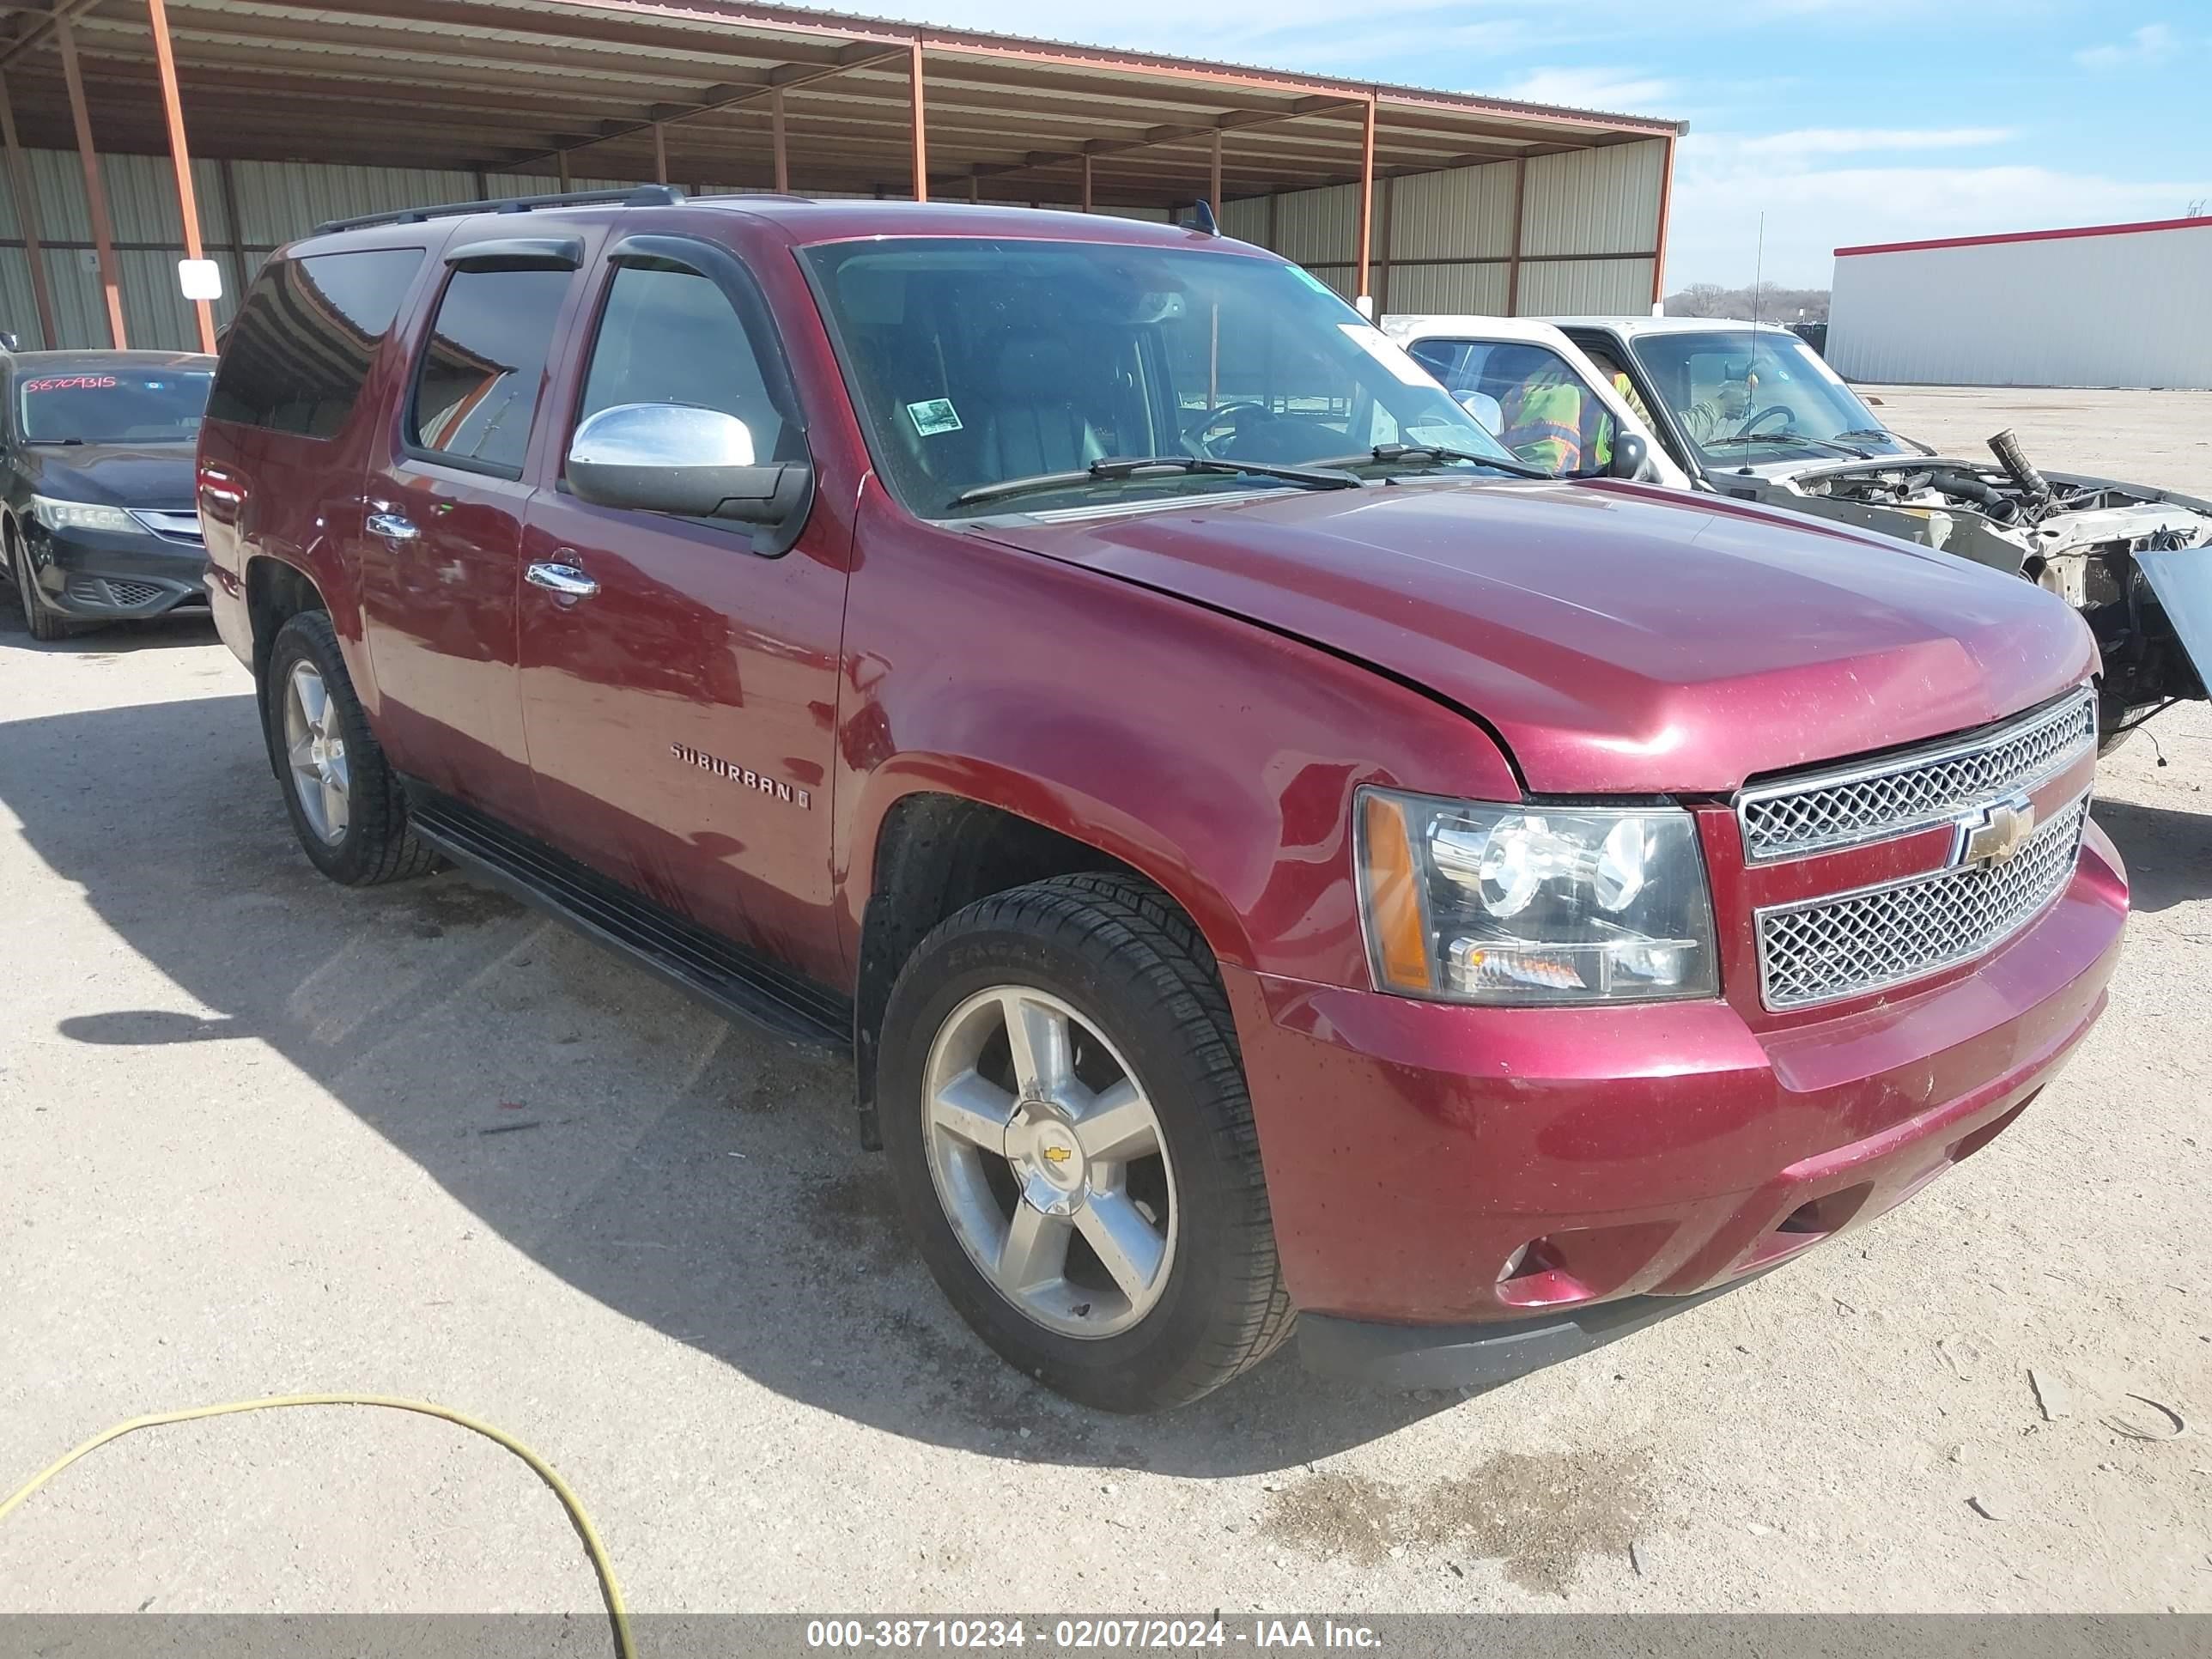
{"type": "Point", "coordinates": [1020, 1190]}
{"type": "Point", "coordinates": [345, 801]}
{"type": "Point", "coordinates": [42, 622]}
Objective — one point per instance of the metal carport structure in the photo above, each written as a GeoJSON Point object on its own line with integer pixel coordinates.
{"type": "Point", "coordinates": [508, 96]}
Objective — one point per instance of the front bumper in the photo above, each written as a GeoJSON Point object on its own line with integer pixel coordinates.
{"type": "Point", "coordinates": [1515, 1185]}
{"type": "Point", "coordinates": [98, 576]}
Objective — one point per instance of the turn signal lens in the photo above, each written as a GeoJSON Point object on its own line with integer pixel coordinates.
{"type": "Point", "coordinates": [1400, 937]}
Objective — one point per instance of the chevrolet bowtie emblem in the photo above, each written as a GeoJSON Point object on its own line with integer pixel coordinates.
{"type": "Point", "coordinates": [1994, 833]}
{"type": "Point", "coordinates": [1057, 1154]}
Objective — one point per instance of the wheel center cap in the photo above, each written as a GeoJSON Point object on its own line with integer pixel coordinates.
{"type": "Point", "coordinates": [1042, 1146]}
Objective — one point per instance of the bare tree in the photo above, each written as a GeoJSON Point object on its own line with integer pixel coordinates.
{"type": "Point", "coordinates": [1767, 303]}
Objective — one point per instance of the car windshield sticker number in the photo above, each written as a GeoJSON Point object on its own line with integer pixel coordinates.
{"type": "Point", "coordinates": [73, 383]}
{"type": "Point", "coordinates": [934, 415]}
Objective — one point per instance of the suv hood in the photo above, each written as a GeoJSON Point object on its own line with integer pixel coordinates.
{"type": "Point", "coordinates": [1620, 639]}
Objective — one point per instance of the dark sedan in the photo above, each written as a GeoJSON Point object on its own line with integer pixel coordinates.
{"type": "Point", "coordinates": [99, 516]}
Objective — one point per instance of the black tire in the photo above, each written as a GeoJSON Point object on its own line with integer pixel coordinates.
{"type": "Point", "coordinates": [1130, 961]}
{"type": "Point", "coordinates": [43, 623]}
{"type": "Point", "coordinates": [376, 844]}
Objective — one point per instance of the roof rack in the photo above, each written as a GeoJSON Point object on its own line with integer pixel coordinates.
{"type": "Point", "coordinates": [636, 196]}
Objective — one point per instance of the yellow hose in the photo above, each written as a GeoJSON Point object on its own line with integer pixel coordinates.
{"type": "Point", "coordinates": [616, 1614]}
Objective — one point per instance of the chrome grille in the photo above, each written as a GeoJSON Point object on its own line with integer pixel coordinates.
{"type": "Point", "coordinates": [1825, 949]}
{"type": "Point", "coordinates": [1915, 790]}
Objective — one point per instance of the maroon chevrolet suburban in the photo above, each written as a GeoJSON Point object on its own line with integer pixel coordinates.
{"type": "Point", "coordinates": [1274, 862]}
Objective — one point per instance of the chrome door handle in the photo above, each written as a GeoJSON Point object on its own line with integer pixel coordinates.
{"type": "Point", "coordinates": [388, 526]}
{"type": "Point", "coordinates": [565, 580]}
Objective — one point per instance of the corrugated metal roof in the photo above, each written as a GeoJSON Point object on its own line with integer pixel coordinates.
{"type": "Point", "coordinates": [508, 86]}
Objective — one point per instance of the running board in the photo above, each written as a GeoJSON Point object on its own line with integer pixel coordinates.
{"type": "Point", "coordinates": [732, 980]}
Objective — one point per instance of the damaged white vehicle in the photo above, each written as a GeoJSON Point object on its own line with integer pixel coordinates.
{"type": "Point", "coordinates": [1751, 411]}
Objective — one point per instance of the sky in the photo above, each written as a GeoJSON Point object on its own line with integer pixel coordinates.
{"type": "Point", "coordinates": [1842, 121]}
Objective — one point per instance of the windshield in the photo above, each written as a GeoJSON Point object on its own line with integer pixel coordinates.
{"type": "Point", "coordinates": [1535, 401]}
{"type": "Point", "coordinates": [979, 363]}
{"type": "Point", "coordinates": [1747, 395]}
{"type": "Point", "coordinates": [112, 406]}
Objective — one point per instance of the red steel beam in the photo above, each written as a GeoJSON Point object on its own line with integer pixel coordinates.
{"type": "Point", "coordinates": [920, 122]}
{"type": "Point", "coordinates": [1366, 204]}
{"type": "Point", "coordinates": [1513, 259]}
{"type": "Point", "coordinates": [95, 189]}
{"type": "Point", "coordinates": [781, 151]}
{"type": "Point", "coordinates": [26, 215]}
{"type": "Point", "coordinates": [188, 207]}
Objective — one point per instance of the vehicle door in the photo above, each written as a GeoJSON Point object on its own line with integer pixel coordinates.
{"type": "Point", "coordinates": [1612, 361]}
{"type": "Point", "coordinates": [440, 532]}
{"type": "Point", "coordinates": [679, 675]}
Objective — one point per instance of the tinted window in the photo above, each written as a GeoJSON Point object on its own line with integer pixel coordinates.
{"type": "Point", "coordinates": [477, 388]}
{"type": "Point", "coordinates": [670, 336]}
{"type": "Point", "coordinates": [112, 406]}
{"type": "Point", "coordinates": [296, 356]}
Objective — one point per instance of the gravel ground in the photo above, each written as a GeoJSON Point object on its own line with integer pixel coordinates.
{"type": "Point", "coordinates": [262, 1134]}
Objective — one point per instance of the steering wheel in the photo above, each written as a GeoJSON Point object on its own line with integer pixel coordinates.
{"type": "Point", "coordinates": [1789, 419]}
{"type": "Point", "coordinates": [1233, 416]}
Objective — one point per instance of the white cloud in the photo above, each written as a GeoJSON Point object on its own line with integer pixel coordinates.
{"type": "Point", "coordinates": [1621, 91]}
{"type": "Point", "coordinates": [2153, 43]}
{"type": "Point", "coordinates": [1858, 141]}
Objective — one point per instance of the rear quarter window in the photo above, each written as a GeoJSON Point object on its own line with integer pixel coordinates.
{"type": "Point", "coordinates": [300, 351]}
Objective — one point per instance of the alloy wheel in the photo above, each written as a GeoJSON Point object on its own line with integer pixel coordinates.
{"type": "Point", "coordinates": [314, 746]}
{"type": "Point", "coordinates": [1050, 1163]}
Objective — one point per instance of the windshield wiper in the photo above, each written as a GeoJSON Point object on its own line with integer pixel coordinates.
{"type": "Point", "coordinates": [1871, 432]}
{"type": "Point", "coordinates": [1833, 447]}
{"type": "Point", "coordinates": [1133, 466]}
{"type": "Point", "coordinates": [1437, 452]}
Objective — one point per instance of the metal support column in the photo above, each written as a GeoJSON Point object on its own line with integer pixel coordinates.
{"type": "Point", "coordinates": [26, 215]}
{"type": "Point", "coordinates": [95, 189]}
{"type": "Point", "coordinates": [1086, 181]}
{"type": "Point", "coordinates": [1659, 242]}
{"type": "Point", "coordinates": [659, 154]}
{"type": "Point", "coordinates": [188, 206]}
{"type": "Point", "coordinates": [1366, 299]}
{"type": "Point", "coordinates": [1213, 179]}
{"type": "Point", "coordinates": [776, 142]}
{"type": "Point", "coordinates": [921, 126]}
{"type": "Point", "coordinates": [1513, 254]}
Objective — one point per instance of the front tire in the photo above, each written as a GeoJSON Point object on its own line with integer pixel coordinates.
{"type": "Point", "coordinates": [42, 622]}
{"type": "Point", "coordinates": [1071, 1141]}
{"type": "Point", "coordinates": [345, 801]}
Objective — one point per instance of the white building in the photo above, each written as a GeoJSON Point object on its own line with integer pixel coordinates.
{"type": "Point", "coordinates": [2100, 306]}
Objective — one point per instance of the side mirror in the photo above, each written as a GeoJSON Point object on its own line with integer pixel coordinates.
{"type": "Point", "coordinates": [1488, 413]}
{"type": "Point", "coordinates": [1632, 456]}
{"type": "Point", "coordinates": [680, 458]}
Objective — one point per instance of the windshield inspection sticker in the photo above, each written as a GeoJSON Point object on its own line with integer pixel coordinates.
{"type": "Point", "coordinates": [934, 415]}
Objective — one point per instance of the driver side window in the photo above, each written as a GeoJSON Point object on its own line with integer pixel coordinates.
{"type": "Point", "coordinates": [671, 337]}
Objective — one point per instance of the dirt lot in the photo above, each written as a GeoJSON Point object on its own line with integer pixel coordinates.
{"type": "Point", "coordinates": [261, 1134]}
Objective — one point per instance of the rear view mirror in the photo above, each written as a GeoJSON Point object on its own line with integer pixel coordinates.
{"type": "Point", "coordinates": [1632, 456]}
{"type": "Point", "coordinates": [1488, 413]}
{"type": "Point", "coordinates": [681, 458]}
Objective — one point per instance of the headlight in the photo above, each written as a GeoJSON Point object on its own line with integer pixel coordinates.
{"type": "Point", "coordinates": [1470, 903]}
{"type": "Point", "coordinates": [82, 515]}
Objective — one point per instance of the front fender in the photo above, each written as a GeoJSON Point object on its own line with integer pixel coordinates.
{"type": "Point", "coordinates": [1218, 758]}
